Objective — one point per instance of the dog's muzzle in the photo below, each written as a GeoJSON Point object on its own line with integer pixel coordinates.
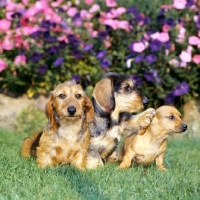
{"type": "Point", "coordinates": [184, 127]}
{"type": "Point", "coordinates": [71, 110]}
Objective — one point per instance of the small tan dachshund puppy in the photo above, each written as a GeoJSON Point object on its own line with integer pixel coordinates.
{"type": "Point", "coordinates": [66, 138]}
{"type": "Point", "coordinates": [145, 146]}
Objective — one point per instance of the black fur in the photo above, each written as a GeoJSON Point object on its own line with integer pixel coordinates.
{"type": "Point", "coordinates": [35, 145]}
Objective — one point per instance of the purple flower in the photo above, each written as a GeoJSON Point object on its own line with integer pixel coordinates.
{"type": "Point", "coordinates": [36, 33]}
{"type": "Point", "coordinates": [170, 98]}
{"type": "Point", "coordinates": [152, 76]}
{"type": "Point", "coordinates": [77, 53]}
{"type": "Point", "coordinates": [35, 57]}
{"type": "Point", "coordinates": [167, 45]}
{"type": "Point", "coordinates": [46, 24]}
{"type": "Point", "coordinates": [170, 22]}
{"type": "Point", "coordinates": [42, 69]}
{"type": "Point", "coordinates": [137, 79]}
{"type": "Point", "coordinates": [62, 45]}
{"type": "Point", "coordinates": [139, 58]}
{"type": "Point", "coordinates": [155, 45]}
{"type": "Point", "coordinates": [102, 35]}
{"type": "Point", "coordinates": [46, 34]}
{"type": "Point", "coordinates": [76, 77]}
{"type": "Point", "coordinates": [151, 58]}
{"type": "Point", "coordinates": [105, 63]}
{"type": "Point", "coordinates": [77, 21]}
{"type": "Point", "coordinates": [58, 62]}
{"type": "Point", "coordinates": [16, 15]}
{"type": "Point", "coordinates": [73, 40]}
{"type": "Point", "coordinates": [101, 54]}
{"type": "Point", "coordinates": [134, 11]}
{"type": "Point", "coordinates": [51, 39]}
{"type": "Point", "coordinates": [181, 89]}
{"type": "Point", "coordinates": [88, 47]}
{"type": "Point", "coordinates": [53, 50]}
{"type": "Point", "coordinates": [190, 3]}
{"type": "Point", "coordinates": [3, 3]}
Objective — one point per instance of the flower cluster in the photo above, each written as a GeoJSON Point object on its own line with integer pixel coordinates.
{"type": "Point", "coordinates": [45, 42]}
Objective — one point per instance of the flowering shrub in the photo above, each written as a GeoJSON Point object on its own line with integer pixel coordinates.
{"type": "Point", "coordinates": [43, 43]}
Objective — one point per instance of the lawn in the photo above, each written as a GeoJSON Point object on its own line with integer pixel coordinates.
{"type": "Point", "coordinates": [21, 178]}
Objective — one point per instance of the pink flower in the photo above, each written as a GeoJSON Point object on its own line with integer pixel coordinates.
{"type": "Point", "coordinates": [89, 2]}
{"type": "Point", "coordinates": [20, 60]}
{"type": "Point", "coordinates": [138, 47]}
{"type": "Point", "coordinates": [196, 59]}
{"type": "Point", "coordinates": [165, 28]}
{"type": "Point", "coordinates": [56, 3]}
{"type": "Point", "coordinates": [185, 56]}
{"type": "Point", "coordinates": [199, 33]}
{"type": "Point", "coordinates": [3, 65]}
{"type": "Point", "coordinates": [179, 4]}
{"type": "Point", "coordinates": [121, 10]}
{"type": "Point", "coordinates": [83, 14]}
{"type": "Point", "coordinates": [111, 3]}
{"type": "Point", "coordinates": [193, 40]}
{"type": "Point", "coordinates": [8, 43]}
{"type": "Point", "coordinates": [11, 6]}
{"type": "Point", "coordinates": [107, 43]}
{"type": "Point", "coordinates": [163, 37]}
{"type": "Point", "coordinates": [112, 23]}
{"type": "Point", "coordinates": [124, 25]}
{"type": "Point", "coordinates": [183, 64]}
{"type": "Point", "coordinates": [25, 2]}
{"type": "Point", "coordinates": [72, 11]}
{"type": "Point", "coordinates": [4, 25]}
{"type": "Point", "coordinates": [94, 8]}
{"type": "Point", "coordinates": [174, 62]}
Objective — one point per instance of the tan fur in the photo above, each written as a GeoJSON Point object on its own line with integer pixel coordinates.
{"type": "Point", "coordinates": [149, 145]}
{"type": "Point", "coordinates": [112, 97]}
{"type": "Point", "coordinates": [66, 138]}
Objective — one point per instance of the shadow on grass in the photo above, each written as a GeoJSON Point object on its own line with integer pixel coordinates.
{"type": "Point", "coordinates": [83, 183]}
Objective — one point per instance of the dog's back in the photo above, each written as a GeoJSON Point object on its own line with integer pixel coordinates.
{"type": "Point", "coordinates": [29, 145]}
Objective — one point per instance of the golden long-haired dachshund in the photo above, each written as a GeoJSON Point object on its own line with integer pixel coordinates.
{"type": "Point", "coordinates": [145, 146]}
{"type": "Point", "coordinates": [66, 138]}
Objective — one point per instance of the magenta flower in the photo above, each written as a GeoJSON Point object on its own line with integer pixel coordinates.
{"type": "Point", "coordinates": [20, 60]}
{"type": "Point", "coordinates": [111, 3]}
{"type": "Point", "coordinates": [138, 47]}
{"type": "Point", "coordinates": [185, 56]}
{"type": "Point", "coordinates": [89, 2]}
{"type": "Point", "coordinates": [3, 65]}
{"type": "Point", "coordinates": [179, 4]}
{"type": "Point", "coordinates": [196, 59]}
{"type": "Point", "coordinates": [4, 25]}
{"type": "Point", "coordinates": [72, 11]}
{"type": "Point", "coordinates": [163, 37]}
{"type": "Point", "coordinates": [193, 40]}
{"type": "Point", "coordinates": [8, 43]}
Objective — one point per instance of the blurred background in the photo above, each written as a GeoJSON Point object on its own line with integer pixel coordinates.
{"type": "Point", "coordinates": [44, 43]}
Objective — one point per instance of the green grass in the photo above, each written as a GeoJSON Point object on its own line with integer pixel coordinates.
{"type": "Point", "coordinates": [21, 178]}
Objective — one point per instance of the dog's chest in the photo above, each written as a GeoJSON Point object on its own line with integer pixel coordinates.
{"type": "Point", "coordinates": [147, 153]}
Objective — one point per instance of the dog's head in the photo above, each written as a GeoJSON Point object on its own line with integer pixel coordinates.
{"type": "Point", "coordinates": [117, 91]}
{"type": "Point", "coordinates": [168, 119]}
{"type": "Point", "coordinates": [69, 102]}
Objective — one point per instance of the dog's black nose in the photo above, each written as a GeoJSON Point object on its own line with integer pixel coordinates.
{"type": "Point", "coordinates": [184, 127]}
{"type": "Point", "coordinates": [145, 102]}
{"type": "Point", "coordinates": [71, 110]}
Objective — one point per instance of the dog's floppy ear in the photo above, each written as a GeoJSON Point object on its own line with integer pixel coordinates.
{"type": "Point", "coordinates": [89, 109]}
{"type": "Point", "coordinates": [104, 95]}
{"type": "Point", "coordinates": [49, 111]}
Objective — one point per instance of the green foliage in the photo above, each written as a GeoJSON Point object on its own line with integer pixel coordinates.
{"type": "Point", "coordinates": [22, 179]}
{"type": "Point", "coordinates": [30, 121]}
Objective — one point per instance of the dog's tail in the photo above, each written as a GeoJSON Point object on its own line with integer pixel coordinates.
{"type": "Point", "coordinates": [30, 145]}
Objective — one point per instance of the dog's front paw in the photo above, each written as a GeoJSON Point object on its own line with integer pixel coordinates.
{"type": "Point", "coordinates": [146, 117]}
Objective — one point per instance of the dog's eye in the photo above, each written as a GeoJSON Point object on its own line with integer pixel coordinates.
{"type": "Point", "coordinates": [171, 117]}
{"type": "Point", "coordinates": [128, 89]}
{"type": "Point", "coordinates": [78, 96]}
{"type": "Point", "coordinates": [62, 96]}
